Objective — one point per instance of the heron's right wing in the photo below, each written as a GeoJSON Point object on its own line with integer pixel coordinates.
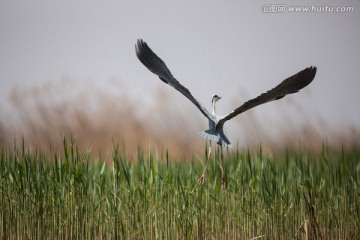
{"type": "Point", "coordinates": [290, 85]}
{"type": "Point", "coordinates": [157, 66]}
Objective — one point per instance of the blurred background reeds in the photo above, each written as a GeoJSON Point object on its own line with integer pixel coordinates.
{"type": "Point", "coordinates": [43, 114]}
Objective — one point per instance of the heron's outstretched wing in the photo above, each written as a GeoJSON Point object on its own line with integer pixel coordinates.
{"type": "Point", "coordinates": [157, 66]}
{"type": "Point", "coordinates": [290, 85]}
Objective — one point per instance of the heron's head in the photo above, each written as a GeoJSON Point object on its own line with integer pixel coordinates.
{"type": "Point", "coordinates": [215, 98]}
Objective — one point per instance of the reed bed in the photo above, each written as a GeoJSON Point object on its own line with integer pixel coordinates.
{"type": "Point", "coordinates": [73, 195]}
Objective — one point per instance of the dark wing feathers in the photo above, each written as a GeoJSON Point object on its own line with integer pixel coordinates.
{"type": "Point", "coordinates": [290, 85]}
{"type": "Point", "coordinates": [151, 61]}
{"type": "Point", "coordinates": [158, 67]}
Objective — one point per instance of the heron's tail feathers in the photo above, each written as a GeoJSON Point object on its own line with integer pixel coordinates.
{"type": "Point", "coordinates": [216, 136]}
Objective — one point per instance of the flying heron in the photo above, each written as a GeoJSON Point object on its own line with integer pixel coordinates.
{"type": "Point", "coordinates": [215, 132]}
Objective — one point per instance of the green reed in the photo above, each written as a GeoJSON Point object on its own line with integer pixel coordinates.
{"type": "Point", "coordinates": [71, 195]}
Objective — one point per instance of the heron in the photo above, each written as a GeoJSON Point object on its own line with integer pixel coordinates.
{"type": "Point", "coordinates": [215, 132]}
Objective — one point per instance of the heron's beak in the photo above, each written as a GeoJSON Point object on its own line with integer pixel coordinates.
{"type": "Point", "coordinates": [219, 97]}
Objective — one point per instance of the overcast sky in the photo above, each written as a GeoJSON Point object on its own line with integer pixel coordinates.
{"type": "Point", "coordinates": [234, 48]}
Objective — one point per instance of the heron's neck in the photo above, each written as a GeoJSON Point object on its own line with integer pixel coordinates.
{"type": "Point", "coordinates": [213, 107]}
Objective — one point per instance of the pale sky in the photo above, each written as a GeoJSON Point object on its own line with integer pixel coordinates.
{"type": "Point", "coordinates": [232, 48]}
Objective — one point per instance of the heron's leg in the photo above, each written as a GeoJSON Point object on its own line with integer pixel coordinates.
{"type": "Point", "coordinates": [201, 180]}
{"type": "Point", "coordinates": [222, 168]}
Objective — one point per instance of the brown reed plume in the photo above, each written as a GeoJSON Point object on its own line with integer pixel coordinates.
{"type": "Point", "coordinates": [44, 113]}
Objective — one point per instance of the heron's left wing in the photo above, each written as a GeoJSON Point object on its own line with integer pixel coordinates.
{"type": "Point", "coordinates": [157, 66]}
{"type": "Point", "coordinates": [290, 85]}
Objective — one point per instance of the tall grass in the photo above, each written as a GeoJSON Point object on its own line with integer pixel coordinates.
{"type": "Point", "coordinates": [293, 195]}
